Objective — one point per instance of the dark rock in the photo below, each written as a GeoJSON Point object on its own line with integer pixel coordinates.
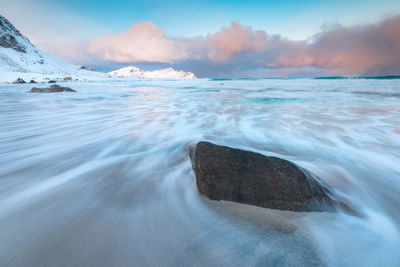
{"type": "Point", "coordinates": [52, 81]}
{"type": "Point", "coordinates": [57, 88]}
{"type": "Point", "coordinates": [32, 81]}
{"type": "Point", "coordinates": [19, 80]}
{"type": "Point", "coordinates": [38, 90]}
{"type": "Point", "coordinates": [224, 173]}
{"type": "Point", "coordinates": [52, 89]}
{"type": "Point", "coordinates": [9, 41]}
{"type": "Point", "coordinates": [7, 36]}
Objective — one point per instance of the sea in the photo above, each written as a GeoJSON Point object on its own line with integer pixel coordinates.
{"type": "Point", "coordinates": [102, 177]}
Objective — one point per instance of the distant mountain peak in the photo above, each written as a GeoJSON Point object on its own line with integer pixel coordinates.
{"type": "Point", "coordinates": [167, 73]}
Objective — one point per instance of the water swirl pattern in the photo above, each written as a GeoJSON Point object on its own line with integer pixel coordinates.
{"type": "Point", "coordinates": [102, 177]}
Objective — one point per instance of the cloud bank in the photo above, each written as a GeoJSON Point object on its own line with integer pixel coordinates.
{"type": "Point", "coordinates": [359, 50]}
{"type": "Point", "coordinates": [142, 42]}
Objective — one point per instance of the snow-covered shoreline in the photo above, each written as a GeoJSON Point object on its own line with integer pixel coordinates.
{"type": "Point", "coordinates": [10, 77]}
{"type": "Point", "coordinates": [7, 77]}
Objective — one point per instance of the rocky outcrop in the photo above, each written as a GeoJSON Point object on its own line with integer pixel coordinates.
{"type": "Point", "coordinates": [52, 89]}
{"type": "Point", "coordinates": [52, 81]}
{"type": "Point", "coordinates": [224, 173]}
{"type": "Point", "coordinates": [9, 35]}
{"type": "Point", "coordinates": [19, 80]}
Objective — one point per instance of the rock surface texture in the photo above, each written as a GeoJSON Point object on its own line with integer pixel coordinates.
{"type": "Point", "coordinates": [9, 35]}
{"type": "Point", "coordinates": [224, 173]}
{"type": "Point", "coordinates": [19, 80]}
{"type": "Point", "coordinates": [52, 89]}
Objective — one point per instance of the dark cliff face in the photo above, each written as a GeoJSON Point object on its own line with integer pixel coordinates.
{"type": "Point", "coordinates": [17, 52]}
{"type": "Point", "coordinates": [10, 37]}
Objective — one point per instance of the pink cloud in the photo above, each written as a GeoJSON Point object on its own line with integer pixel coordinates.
{"type": "Point", "coordinates": [353, 50]}
{"type": "Point", "coordinates": [368, 49]}
{"type": "Point", "coordinates": [360, 49]}
{"type": "Point", "coordinates": [145, 42]}
{"type": "Point", "coordinates": [142, 42]}
{"type": "Point", "coordinates": [234, 40]}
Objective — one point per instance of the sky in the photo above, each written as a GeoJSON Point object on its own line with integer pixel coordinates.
{"type": "Point", "coordinates": [217, 38]}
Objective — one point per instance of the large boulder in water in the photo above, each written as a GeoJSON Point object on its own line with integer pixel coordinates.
{"type": "Point", "coordinates": [52, 89]}
{"type": "Point", "coordinates": [224, 173]}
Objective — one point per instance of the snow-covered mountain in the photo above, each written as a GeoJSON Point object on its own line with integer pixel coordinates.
{"type": "Point", "coordinates": [20, 58]}
{"type": "Point", "coordinates": [168, 73]}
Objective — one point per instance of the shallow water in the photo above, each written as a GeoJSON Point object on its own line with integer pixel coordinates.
{"type": "Point", "coordinates": [101, 177]}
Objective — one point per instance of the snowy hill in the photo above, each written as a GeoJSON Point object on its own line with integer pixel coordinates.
{"type": "Point", "coordinates": [168, 73]}
{"type": "Point", "coordinates": [20, 58]}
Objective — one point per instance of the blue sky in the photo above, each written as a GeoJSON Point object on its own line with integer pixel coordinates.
{"type": "Point", "coordinates": [294, 19]}
{"type": "Point", "coordinates": [195, 34]}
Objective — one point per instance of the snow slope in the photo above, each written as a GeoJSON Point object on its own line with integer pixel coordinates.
{"type": "Point", "coordinates": [20, 58]}
{"type": "Point", "coordinates": [168, 73]}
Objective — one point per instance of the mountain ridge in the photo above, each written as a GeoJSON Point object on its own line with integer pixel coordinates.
{"type": "Point", "coordinates": [167, 73]}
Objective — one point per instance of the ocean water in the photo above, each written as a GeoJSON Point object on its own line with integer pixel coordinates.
{"type": "Point", "coordinates": [102, 177]}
